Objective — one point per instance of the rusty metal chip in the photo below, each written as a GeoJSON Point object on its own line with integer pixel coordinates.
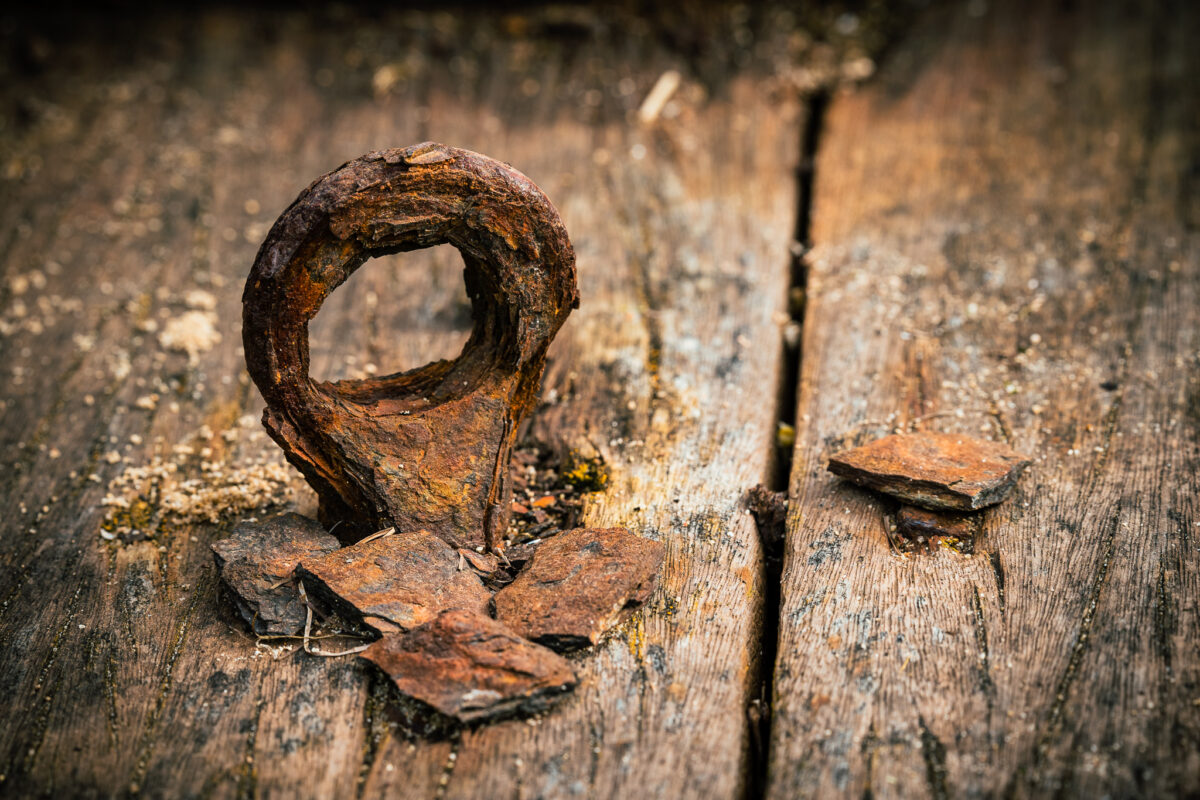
{"type": "Point", "coordinates": [922, 527]}
{"type": "Point", "coordinates": [934, 470]}
{"type": "Point", "coordinates": [256, 563]}
{"type": "Point", "coordinates": [470, 667]}
{"type": "Point", "coordinates": [427, 449]}
{"type": "Point", "coordinates": [580, 584]}
{"type": "Point", "coordinates": [392, 583]}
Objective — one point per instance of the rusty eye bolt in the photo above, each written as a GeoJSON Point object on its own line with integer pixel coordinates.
{"type": "Point", "coordinates": [428, 448]}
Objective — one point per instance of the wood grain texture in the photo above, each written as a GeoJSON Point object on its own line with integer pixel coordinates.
{"type": "Point", "coordinates": [1006, 244]}
{"type": "Point", "coordinates": [150, 172]}
{"type": "Point", "coordinates": [681, 233]}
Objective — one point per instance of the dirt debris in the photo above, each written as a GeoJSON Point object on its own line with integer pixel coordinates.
{"type": "Point", "coordinates": [192, 332]}
{"type": "Point", "coordinates": [188, 483]}
{"type": "Point", "coordinates": [770, 515]}
{"type": "Point", "coordinates": [922, 529]}
{"type": "Point", "coordinates": [548, 492]}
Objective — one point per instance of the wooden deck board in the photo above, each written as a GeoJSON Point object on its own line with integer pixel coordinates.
{"type": "Point", "coordinates": [127, 669]}
{"type": "Point", "coordinates": [1006, 247]}
{"type": "Point", "coordinates": [1005, 243]}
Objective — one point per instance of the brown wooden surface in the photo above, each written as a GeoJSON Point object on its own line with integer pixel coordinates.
{"type": "Point", "coordinates": [997, 147]}
{"type": "Point", "coordinates": [125, 668]}
{"type": "Point", "coordinates": [1006, 246]}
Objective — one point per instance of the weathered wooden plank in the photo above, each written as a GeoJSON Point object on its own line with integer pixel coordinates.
{"type": "Point", "coordinates": [127, 671]}
{"type": "Point", "coordinates": [680, 273]}
{"type": "Point", "coordinates": [1006, 245]}
{"type": "Point", "coordinates": [681, 232]}
{"type": "Point", "coordinates": [141, 678]}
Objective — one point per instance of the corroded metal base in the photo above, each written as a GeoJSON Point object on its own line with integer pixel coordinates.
{"type": "Point", "coordinates": [429, 448]}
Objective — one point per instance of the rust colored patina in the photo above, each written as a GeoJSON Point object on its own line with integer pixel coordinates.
{"type": "Point", "coordinates": [470, 667]}
{"type": "Point", "coordinates": [256, 563]}
{"type": "Point", "coordinates": [578, 585]}
{"type": "Point", "coordinates": [934, 470]}
{"type": "Point", "coordinates": [392, 583]}
{"type": "Point", "coordinates": [426, 449]}
{"type": "Point", "coordinates": [923, 528]}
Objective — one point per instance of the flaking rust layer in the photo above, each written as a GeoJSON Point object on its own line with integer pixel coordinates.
{"type": "Point", "coordinates": [923, 528]}
{"type": "Point", "coordinates": [392, 583]}
{"type": "Point", "coordinates": [934, 470]}
{"type": "Point", "coordinates": [427, 449]}
{"type": "Point", "coordinates": [578, 585]}
{"type": "Point", "coordinates": [256, 563]}
{"type": "Point", "coordinates": [468, 666]}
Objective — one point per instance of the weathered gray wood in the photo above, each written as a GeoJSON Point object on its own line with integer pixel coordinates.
{"type": "Point", "coordinates": [661, 373]}
{"type": "Point", "coordinates": [1029, 144]}
{"type": "Point", "coordinates": [125, 669]}
{"type": "Point", "coordinates": [1006, 244]}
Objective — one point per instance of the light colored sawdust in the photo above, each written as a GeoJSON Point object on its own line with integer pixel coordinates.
{"type": "Point", "coordinates": [192, 483]}
{"type": "Point", "coordinates": [192, 332]}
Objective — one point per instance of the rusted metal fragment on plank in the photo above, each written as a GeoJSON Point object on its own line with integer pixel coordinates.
{"type": "Point", "coordinates": [468, 666]}
{"type": "Point", "coordinates": [923, 527]}
{"type": "Point", "coordinates": [256, 563]}
{"type": "Point", "coordinates": [934, 470]}
{"type": "Point", "coordinates": [426, 449]}
{"type": "Point", "coordinates": [580, 584]}
{"type": "Point", "coordinates": [392, 583]}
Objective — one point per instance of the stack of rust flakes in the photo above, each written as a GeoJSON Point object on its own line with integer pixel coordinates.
{"type": "Point", "coordinates": [941, 479]}
{"type": "Point", "coordinates": [432, 614]}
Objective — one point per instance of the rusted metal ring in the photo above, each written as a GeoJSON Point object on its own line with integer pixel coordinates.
{"type": "Point", "coordinates": [428, 448]}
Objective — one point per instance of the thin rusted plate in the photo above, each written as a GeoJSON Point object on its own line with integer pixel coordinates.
{"type": "Point", "coordinates": [923, 527]}
{"type": "Point", "coordinates": [934, 470]}
{"type": "Point", "coordinates": [256, 563]}
{"type": "Point", "coordinates": [393, 583]}
{"type": "Point", "coordinates": [470, 667]}
{"type": "Point", "coordinates": [580, 584]}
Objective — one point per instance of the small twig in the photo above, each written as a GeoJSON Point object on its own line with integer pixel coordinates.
{"type": "Point", "coordinates": [308, 617]}
{"type": "Point", "coordinates": [378, 535]}
{"type": "Point", "coordinates": [314, 637]}
{"type": "Point", "coordinates": [658, 96]}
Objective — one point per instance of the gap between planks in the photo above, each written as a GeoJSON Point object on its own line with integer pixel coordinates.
{"type": "Point", "coordinates": [780, 461]}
